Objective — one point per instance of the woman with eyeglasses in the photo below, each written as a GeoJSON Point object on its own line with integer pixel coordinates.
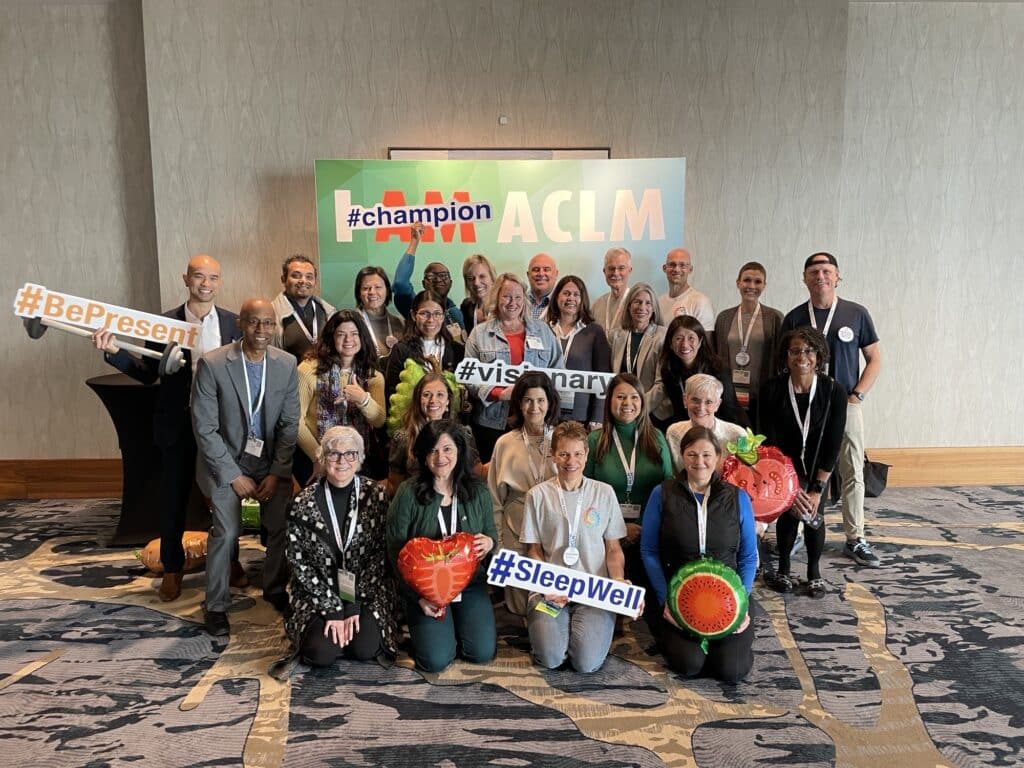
{"type": "Point", "coordinates": [584, 347]}
{"type": "Point", "coordinates": [478, 276]}
{"type": "Point", "coordinates": [636, 343]}
{"type": "Point", "coordinates": [687, 352]}
{"type": "Point", "coordinates": [803, 413]}
{"type": "Point", "coordinates": [513, 337]}
{"type": "Point", "coordinates": [373, 296]}
{"type": "Point", "coordinates": [688, 517]}
{"type": "Point", "coordinates": [340, 385]}
{"type": "Point", "coordinates": [522, 460]}
{"type": "Point", "coordinates": [426, 340]}
{"type": "Point", "coordinates": [444, 497]}
{"type": "Point", "coordinates": [745, 337]}
{"type": "Point", "coordinates": [431, 401]}
{"type": "Point", "coordinates": [342, 604]}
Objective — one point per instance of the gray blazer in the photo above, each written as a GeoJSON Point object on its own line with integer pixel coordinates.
{"type": "Point", "coordinates": [219, 417]}
{"type": "Point", "coordinates": [647, 359]}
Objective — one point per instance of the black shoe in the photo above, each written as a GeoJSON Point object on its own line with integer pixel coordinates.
{"type": "Point", "coordinates": [217, 623]}
{"type": "Point", "coordinates": [279, 600]}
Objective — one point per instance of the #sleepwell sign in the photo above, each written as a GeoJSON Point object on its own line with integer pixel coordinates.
{"type": "Point", "coordinates": [510, 569]}
{"type": "Point", "coordinates": [508, 210]}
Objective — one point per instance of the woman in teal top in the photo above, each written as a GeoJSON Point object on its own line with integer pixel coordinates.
{"type": "Point", "coordinates": [631, 456]}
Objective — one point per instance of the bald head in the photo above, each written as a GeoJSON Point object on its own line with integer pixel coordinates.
{"type": "Point", "coordinates": [542, 274]}
{"type": "Point", "coordinates": [202, 279]}
{"type": "Point", "coordinates": [257, 322]}
{"type": "Point", "coordinates": [677, 268]}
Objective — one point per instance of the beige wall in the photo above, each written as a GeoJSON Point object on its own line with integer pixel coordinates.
{"type": "Point", "coordinates": [881, 131]}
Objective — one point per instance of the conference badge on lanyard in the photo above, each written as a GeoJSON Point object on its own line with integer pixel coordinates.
{"type": "Point", "coordinates": [571, 555]}
{"type": "Point", "coordinates": [450, 530]}
{"type": "Point", "coordinates": [253, 444]}
{"type": "Point", "coordinates": [345, 580]}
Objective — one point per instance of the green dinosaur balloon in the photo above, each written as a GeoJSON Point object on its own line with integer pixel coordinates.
{"type": "Point", "coordinates": [401, 400]}
{"type": "Point", "coordinates": [745, 447]}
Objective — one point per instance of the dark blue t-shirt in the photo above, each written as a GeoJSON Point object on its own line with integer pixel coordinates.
{"type": "Point", "coordinates": [844, 363]}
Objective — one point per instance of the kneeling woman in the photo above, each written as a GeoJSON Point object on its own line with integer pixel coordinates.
{"type": "Point", "coordinates": [342, 601]}
{"type": "Point", "coordinates": [445, 497]}
{"type": "Point", "coordinates": [692, 516]}
{"type": "Point", "coordinates": [573, 521]}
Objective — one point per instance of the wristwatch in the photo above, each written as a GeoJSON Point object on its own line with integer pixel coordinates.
{"type": "Point", "coordinates": [817, 486]}
{"type": "Point", "coordinates": [858, 395]}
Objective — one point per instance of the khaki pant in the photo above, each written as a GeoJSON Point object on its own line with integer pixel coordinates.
{"type": "Point", "coordinates": [851, 469]}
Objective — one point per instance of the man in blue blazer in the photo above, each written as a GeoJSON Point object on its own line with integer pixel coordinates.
{"type": "Point", "coordinates": [172, 425]}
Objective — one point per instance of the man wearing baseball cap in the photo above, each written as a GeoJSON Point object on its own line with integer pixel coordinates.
{"type": "Point", "coordinates": [849, 331]}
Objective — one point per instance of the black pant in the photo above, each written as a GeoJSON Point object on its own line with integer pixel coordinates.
{"type": "Point", "coordinates": [177, 474]}
{"type": "Point", "coordinates": [317, 650]}
{"type": "Point", "coordinates": [814, 540]}
{"type": "Point", "coordinates": [729, 659]}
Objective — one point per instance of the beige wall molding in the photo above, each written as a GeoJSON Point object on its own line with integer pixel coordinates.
{"type": "Point", "coordinates": [910, 468]}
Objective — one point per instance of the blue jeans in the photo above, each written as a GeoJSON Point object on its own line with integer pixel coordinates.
{"type": "Point", "coordinates": [580, 633]}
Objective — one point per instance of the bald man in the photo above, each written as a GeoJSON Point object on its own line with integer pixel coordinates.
{"type": "Point", "coordinates": [542, 275]}
{"type": "Point", "coordinates": [245, 414]}
{"type": "Point", "coordinates": [172, 428]}
{"type": "Point", "coordinates": [682, 298]}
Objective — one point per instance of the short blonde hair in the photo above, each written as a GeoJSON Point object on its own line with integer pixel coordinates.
{"type": "Point", "coordinates": [703, 384]}
{"type": "Point", "coordinates": [499, 281]}
{"type": "Point", "coordinates": [469, 263]}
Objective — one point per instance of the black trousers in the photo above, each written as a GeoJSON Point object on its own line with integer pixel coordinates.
{"type": "Point", "coordinates": [317, 650]}
{"type": "Point", "coordinates": [177, 474]}
{"type": "Point", "coordinates": [729, 659]}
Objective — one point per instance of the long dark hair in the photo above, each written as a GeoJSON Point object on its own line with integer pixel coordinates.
{"type": "Point", "coordinates": [554, 314]}
{"type": "Point", "coordinates": [364, 273]}
{"type": "Point", "coordinates": [412, 331]}
{"type": "Point", "coordinates": [674, 372]}
{"type": "Point", "coordinates": [532, 380]}
{"type": "Point", "coordinates": [465, 483]}
{"type": "Point", "coordinates": [646, 437]}
{"type": "Point", "coordinates": [364, 363]}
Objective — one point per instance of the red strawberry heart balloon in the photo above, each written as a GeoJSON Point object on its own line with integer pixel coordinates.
{"type": "Point", "coordinates": [438, 571]}
{"type": "Point", "coordinates": [764, 472]}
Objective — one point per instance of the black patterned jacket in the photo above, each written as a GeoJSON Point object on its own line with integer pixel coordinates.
{"type": "Point", "coordinates": [314, 559]}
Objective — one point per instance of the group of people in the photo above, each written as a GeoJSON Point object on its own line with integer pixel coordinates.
{"type": "Point", "coordinates": [625, 486]}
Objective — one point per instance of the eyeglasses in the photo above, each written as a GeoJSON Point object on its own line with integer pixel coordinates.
{"type": "Point", "coordinates": [797, 351]}
{"type": "Point", "coordinates": [438, 277]}
{"type": "Point", "coordinates": [336, 457]}
{"type": "Point", "coordinates": [426, 314]}
{"type": "Point", "coordinates": [255, 322]}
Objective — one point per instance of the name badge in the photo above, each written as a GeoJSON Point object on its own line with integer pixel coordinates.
{"type": "Point", "coordinates": [534, 342]}
{"type": "Point", "coordinates": [254, 446]}
{"type": "Point", "coordinates": [741, 376]}
{"type": "Point", "coordinates": [630, 511]}
{"type": "Point", "coordinates": [846, 334]}
{"type": "Point", "coordinates": [346, 585]}
{"type": "Point", "coordinates": [549, 609]}
{"type": "Point", "coordinates": [456, 331]}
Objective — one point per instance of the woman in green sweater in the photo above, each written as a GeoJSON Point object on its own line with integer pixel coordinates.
{"type": "Point", "coordinates": [631, 456]}
{"type": "Point", "coordinates": [444, 497]}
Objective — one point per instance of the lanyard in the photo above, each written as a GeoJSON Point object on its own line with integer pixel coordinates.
{"type": "Point", "coordinates": [353, 507]}
{"type": "Point", "coordinates": [805, 425]}
{"type": "Point", "coordinates": [455, 518]}
{"type": "Point", "coordinates": [535, 475]}
{"type": "Point", "coordinates": [630, 360]}
{"type": "Point", "coordinates": [608, 322]}
{"type": "Point", "coordinates": [567, 339]}
{"type": "Point", "coordinates": [631, 467]}
{"type": "Point", "coordinates": [373, 336]}
{"type": "Point", "coordinates": [574, 524]}
{"type": "Point", "coordinates": [251, 411]}
{"type": "Point", "coordinates": [745, 337]}
{"type": "Point", "coordinates": [828, 320]}
{"type": "Point", "coordinates": [298, 320]}
{"type": "Point", "coordinates": [702, 519]}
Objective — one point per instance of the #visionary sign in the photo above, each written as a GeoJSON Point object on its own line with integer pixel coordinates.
{"type": "Point", "coordinates": [508, 210]}
{"type": "Point", "coordinates": [38, 301]}
{"type": "Point", "coordinates": [500, 374]}
{"type": "Point", "coordinates": [510, 569]}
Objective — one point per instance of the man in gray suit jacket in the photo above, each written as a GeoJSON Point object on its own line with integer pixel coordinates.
{"type": "Point", "coordinates": [245, 414]}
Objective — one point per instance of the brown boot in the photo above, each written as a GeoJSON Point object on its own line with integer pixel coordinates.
{"type": "Point", "coordinates": [170, 587]}
{"type": "Point", "coordinates": [238, 578]}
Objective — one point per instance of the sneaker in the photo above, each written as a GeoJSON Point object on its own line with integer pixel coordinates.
{"type": "Point", "coordinates": [817, 588]}
{"type": "Point", "coordinates": [780, 582]}
{"type": "Point", "coordinates": [862, 553]}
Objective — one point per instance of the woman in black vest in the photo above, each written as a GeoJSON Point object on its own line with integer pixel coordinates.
{"type": "Point", "coordinates": [671, 537]}
{"type": "Point", "coordinates": [804, 414]}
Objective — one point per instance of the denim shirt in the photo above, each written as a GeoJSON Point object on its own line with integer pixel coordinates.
{"type": "Point", "coordinates": [487, 343]}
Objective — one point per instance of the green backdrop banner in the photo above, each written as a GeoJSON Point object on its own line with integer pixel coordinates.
{"type": "Point", "coordinates": [508, 210]}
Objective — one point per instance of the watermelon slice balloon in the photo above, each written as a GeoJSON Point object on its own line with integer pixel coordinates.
{"type": "Point", "coordinates": [438, 571]}
{"type": "Point", "coordinates": [764, 472]}
{"type": "Point", "coordinates": [707, 597]}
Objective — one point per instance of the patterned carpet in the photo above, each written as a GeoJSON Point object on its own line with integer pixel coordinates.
{"type": "Point", "coordinates": [919, 663]}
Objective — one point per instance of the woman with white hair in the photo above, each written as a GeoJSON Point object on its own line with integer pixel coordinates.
{"type": "Point", "coordinates": [637, 340]}
{"type": "Point", "coordinates": [513, 337]}
{"type": "Point", "coordinates": [702, 395]}
{"type": "Point", "coordinates": [342, 602]}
